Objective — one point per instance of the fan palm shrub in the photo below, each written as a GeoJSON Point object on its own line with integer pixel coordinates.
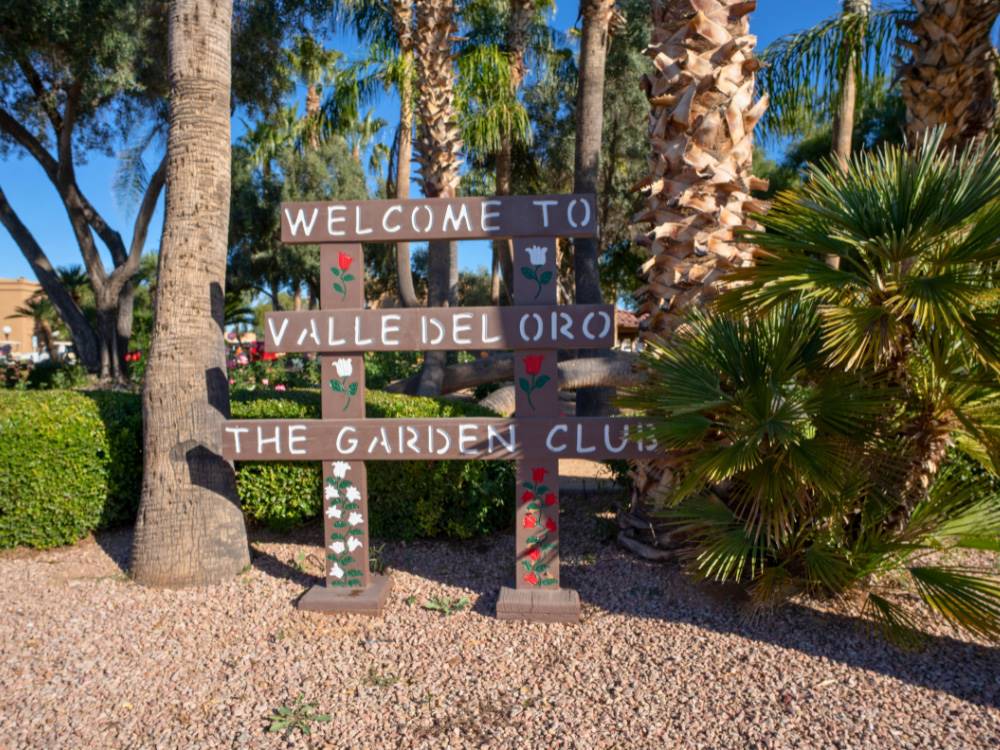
{"type": "Point", "coordinates": [807, 419]}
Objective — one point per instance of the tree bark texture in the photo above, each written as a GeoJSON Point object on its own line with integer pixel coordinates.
{"type": "Point", "coordinates": [190, 528]}
{"type": "Point", "coordinates": [596, 16]}
{"type": "Point", "coordinates": [950, 78]}
{"type": "Point", "coordinates": [402, 18]}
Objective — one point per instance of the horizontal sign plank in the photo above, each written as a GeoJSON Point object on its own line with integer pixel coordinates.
{"type": "Point", "coordinates": [487, 438]}
{"type": "Point", "coordinates": [439, 218]}
{"type": "Point", "coordinates": [441, 328]}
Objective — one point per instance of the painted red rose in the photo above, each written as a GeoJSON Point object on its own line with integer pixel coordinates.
{"type": "Point", "coordinates": [533, 363]}
{"type": "Point", "coordinates": [344, 261]}
{"type": "Point", "coordinates": [529, 522]}
{"type": "Point", "coordinates": [527, 496]}
{"type": "Point", "coordinates": [538, 475]}
{"type": "Point", "coordinates": [535, 553]}
{"type": "Point", "coordinates": [550, 524]}
{"type": "Point", "coordinates": [531, 578]}
{"type": "Point", "coordinates": [550, 498]}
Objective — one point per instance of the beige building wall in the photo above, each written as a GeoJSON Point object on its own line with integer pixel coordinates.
{"type": "Point", "coordinates": [13, 294]}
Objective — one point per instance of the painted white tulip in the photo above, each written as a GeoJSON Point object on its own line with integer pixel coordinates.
{"type": "Point", "coordinates": [537, 254]}
{"type": "Point", "coordinates": [353, 543]}
{"type": "Point", "coordinates": [336, 571]}
{"type": "Point", "coordinates": [344, 367]}
{"type": "Point", "coordinates": [355, 518]}
{"type": "Point", "coordinates": [352, 494]}
{"type": "Point", "coordinates": [334, 512]}
{"type": "Point", "coordinates": [330, 492]}
{"type": "Point", "coordinates": [337, 547]}
{"type": "Point", "coordinates": [340, 469]}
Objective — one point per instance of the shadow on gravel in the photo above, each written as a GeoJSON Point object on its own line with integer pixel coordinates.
{"type": "Point", "coordinates": [117, 544]}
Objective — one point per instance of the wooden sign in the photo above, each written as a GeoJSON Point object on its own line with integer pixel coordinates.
{"type": "Point", "coordinates": [452, 328]}
{"type": "Point", "coordinates": [543, 216]}
{"type": "Point", "coordinates": [450, 439]}
{"type": "Point", "coordinates": [535, 438]}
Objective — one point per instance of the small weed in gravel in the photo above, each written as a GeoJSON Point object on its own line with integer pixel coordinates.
{"type": "Point", "coordinates": [446, 606]}
{"type": "Point", "coordinates": [298, 716]}
{"type": "Point", "coordinates": [380, 680]}
{"type": "Point", "coordinates": [375, 562]}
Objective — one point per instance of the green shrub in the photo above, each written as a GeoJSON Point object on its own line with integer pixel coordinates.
{"type": "Point", "coordinates": [407, 499]}
{"type": "Point", "coordinates": [63, 473]}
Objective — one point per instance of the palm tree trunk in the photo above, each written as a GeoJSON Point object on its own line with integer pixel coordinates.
{"type": "Point", "coordinates": [589, 125]}
{"type": "Point", "coordinates": [950, 79]}
{"type": "Point", "coordinates": [700, 182]}
{"type": "Point", "coordinates": [402, 18]}
{"type": "Point", "coordinates": [438, 149]}
{"type": "Point", "coordinates": [190, 529]}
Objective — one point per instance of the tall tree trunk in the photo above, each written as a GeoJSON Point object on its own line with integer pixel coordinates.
{"type": "Point", "coordinates": [700, 182]}
{"type": "Point", "coordinates": [586, 169]}
{"type": "Point", "coordinates": [951, 77]}
{"type": "Point", "coordinates": [438, 148]}
{"type": "Point", "coordinates": [190, 528]}
{"type": "Point", "coordinates": [402, 19]}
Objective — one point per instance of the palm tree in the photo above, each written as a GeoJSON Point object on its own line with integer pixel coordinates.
{"type": "Point", "coordinates": [315, 67]}
{"type": "Point", "coordinates": [43, 315]}
{"type": "Point", "coordinates": [914, 298]}
{"type": "Point", "coordinates": [190, 529]}
{"type": "Point", "coordinates": [700, 181]}
{"type": "Point", "coordinates": [787, 473]}
{"type": "Point", "coordinates": [816, 76]}
{"type": "Point", "coordinates": [950, 79]}
{"type": "Point", "coordinates": [439, 147]}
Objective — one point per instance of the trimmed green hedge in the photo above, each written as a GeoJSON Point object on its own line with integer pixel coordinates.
{"type": "Point", "coordinates": [70, 463]}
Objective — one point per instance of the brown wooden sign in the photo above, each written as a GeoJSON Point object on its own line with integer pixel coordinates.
{"type": "Point", "coordinates": [481, 438]}
{"type": "Point", "coordinates": [439, 218]}
{"type": "Point", "coordinates": [452, 328]}
{"type": "Point", "coordinates": [535, 438]}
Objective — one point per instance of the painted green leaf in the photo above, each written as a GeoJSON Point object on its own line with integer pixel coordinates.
{"type": "Point", "coordinates": [335, 271]}
{"type": "Point", "coordinates": [338, 583]}
{"type": "Point", "coordinates": [346, 560]}
{"type": "Point", "coordinates": [356, 532]}
{"type": "Point", "coordinates": [549, 582]}
{"type": "Point", "coordinates": [340, 524]}
{"type": "Point", "coordinates": [337, 386]}
{"type": "Point", "coordinates": [348, 277]}
{"type": "Point", "coordinates": [354, 573]}
{"type": "Point", "coordinates": [335, 535]}
{"type": "Point", "coordinates": [528, 486]}
{"type": "Point", "coordinates": [528, 272]}
{"type": "Point", "coordinates": [540, 567]}
{"type": "Point", "coordinates": [541, 380]}
{"type": "Point", "coordinates": [533, 506]}
{"type": "Point", "coordinates": [526, 564]}
{"type": "Point", "coordinates": [352, 389]}
{"type": "Point", "coordinates": [545, 278]}
{"type": "Point", "coordinates": [525, 385]}
{"type": "Point", "coordinates": [531, 539]}
{"type": "Point", "coordinates": [344, 484]}
{"type": "Point", "coordinates": [354, 582]}
{"type": "Point", "coordinates": [350, 506]}
{"type": "Point", "coordinates": [543, 489]}
{"type": "Point", "coordinates": [338, 288]}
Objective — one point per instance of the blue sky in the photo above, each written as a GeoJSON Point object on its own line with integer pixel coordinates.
{"type": "Point", "coordinates": [36, 202]}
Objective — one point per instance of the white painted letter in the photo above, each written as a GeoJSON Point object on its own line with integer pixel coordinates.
{"type": "Point", "coordinates": [463, 215]}
{"type": "Point", "coordinates": [357, 222]}
{"type": "Point", "coordinates": [293, 438]}
{"type": "Point", "coordinates": [331, 220]}
{"type": "Point", "coordinates": [387, 329]}
{"type": "Point", "coordinates": [486, 214]}
{"type": "Point", "coordinates": [544, 205]}
{"type": "Point", "coordinates": [279, 334]}
{"type": "Point", "coordinates": [457, 328]}
{"type": "Point", "coordinates": [300, 221]}
{"type": "Point", "coordinates": [235, 432]}
{"type": "Point", "coordinates": [385, 219]}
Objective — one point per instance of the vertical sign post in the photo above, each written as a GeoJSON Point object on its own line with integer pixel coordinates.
{"type": "Point", "coordinates": [536, 594]}
{"type": "Point", "coordinates": [350, 586]}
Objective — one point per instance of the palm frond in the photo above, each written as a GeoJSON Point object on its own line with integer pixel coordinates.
{"type": "Point", "coordinates": [968, 601]}
{"type": "Point", "coordinates": [895, 623]}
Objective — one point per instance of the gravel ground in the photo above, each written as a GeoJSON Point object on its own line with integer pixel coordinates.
{"type": "Point", "coordinates": [90, 660]}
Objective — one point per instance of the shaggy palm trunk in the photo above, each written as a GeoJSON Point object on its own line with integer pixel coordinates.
{"type": "Point", "coordinates": [438, 148]}
{"type": "Point", "coordinates": [950, 79]}
{"type": "Point", "coordinates": [190, 529]}
{"type": "Point", "coordinates": [402, 19]}
{"type": "Point", "coordinates": [587, 164]}
{"type": "Point", "coordinates": [702, 116]}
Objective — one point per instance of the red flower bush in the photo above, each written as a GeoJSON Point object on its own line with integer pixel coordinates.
{"type": "Point", "coordinates": [538, 475]}
{"type": "Point", "coordinates": [344, 261]}
{"type": "Point", "coordinates": [533, 363]}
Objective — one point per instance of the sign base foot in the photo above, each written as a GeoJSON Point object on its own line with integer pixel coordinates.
{"type": "Point", "coordinates": [561, 605]}
{"type": "Point", "coordinates": [369, 601]}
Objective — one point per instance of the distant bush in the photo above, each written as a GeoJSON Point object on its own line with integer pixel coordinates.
{"type": "Point", "coordinates": [71, 463]}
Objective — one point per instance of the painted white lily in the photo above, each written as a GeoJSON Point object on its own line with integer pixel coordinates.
{"type": "Point", "coordinates": [355, 518]}
{"type": "Point", "coordinates": [334, 512]}
{"type": "Point", "coordinates": [344, 367]}
{"type": "Point", "coordinates": [336, 571]}
{"type": "Point", "coordinates": [353, 543]}
{"type": "Point", "coordinates": [537, 254]}
{"type": "Point", "coordinates": [337, 547]}
{"type": "Point", "coordinates": [330, 492]}
{"type": "Point", "coordinates": [340, 468]}
{"type": "Point", "coordinates": [352, 494]}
